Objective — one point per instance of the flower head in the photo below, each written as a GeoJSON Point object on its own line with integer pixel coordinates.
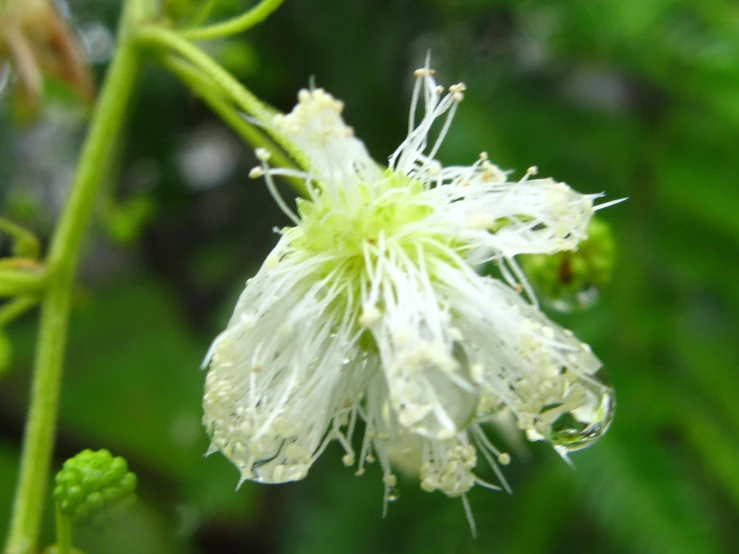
{"type": "Point", "coordinates": [370, 309]}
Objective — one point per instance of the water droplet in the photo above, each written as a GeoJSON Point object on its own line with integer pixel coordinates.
{"type": "Point", "coordinates": [571, 281]}
{"type": "Point", "coordinates": [392, 494]}
{"type": "Point", "coordinates": [562, 281]}
{"type": "Point", "coordinates": [584, 415]}
{"type": "Point", "coordinates": [573, 300]}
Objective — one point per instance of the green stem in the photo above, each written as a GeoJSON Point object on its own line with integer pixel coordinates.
{"type": "Point", "coordinates": [14, 282]}
{"type": "Point", "coordinates": [63, 532]}
{"type": "Point", "coordinates": [61, 263]}
{"type": "Point", "coordinates": [26, 244]}
{"type": "Point", "coordinates": [226, 111]}
{"type": "Point", "coordinates": [15, 308]}
{"type": "Point", "coordinates": [238, 24]}
{"type": "Point", "coordinates": [203, 13]}
{"type": "Point", "coordinates": [164, 39]}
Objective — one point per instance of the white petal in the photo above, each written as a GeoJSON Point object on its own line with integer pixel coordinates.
{"type": "Point", "coordinates": [275, 377]}
{"type": "Point", "coordinates": [316, 127]}
{"type": "Point", "coordinates": [444, 465]}
{"type": "Point", "coordinates": [534, 216]}
{"type": "Point", "coordinates": [425, 365]}
{"type": "Point", "coordinates": [522, 355]}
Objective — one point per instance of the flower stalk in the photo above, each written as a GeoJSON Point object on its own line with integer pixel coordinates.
{"type": "Point", "coordinates": [201, 86]}
{"type": "Point", "coordinates": [63, 532]}
{"type": "Point", "coordinates": [63, 256]}
{"type": "Point", "coordinates": [163, 39]}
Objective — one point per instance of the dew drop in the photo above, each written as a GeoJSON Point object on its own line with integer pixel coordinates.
{"type": "Point", "coordinates": [563, 282]}
{"type": "Point", "coordinates": [573, 300]}
{"type": "Point", "coordinates": [571, 281]}
{"type": "Point", "coordinates": [392, 494]}
{"type": "Point", "coordinates": [584, 415]}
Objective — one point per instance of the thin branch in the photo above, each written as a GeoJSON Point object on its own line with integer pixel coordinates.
{"type": "Point", "coordinates": [238, 24]}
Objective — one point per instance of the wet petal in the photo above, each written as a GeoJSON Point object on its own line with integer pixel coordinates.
{"type": "Point", "coordinates": [425, 364]}
{"type": "Point", "coordinates": [274, 382]}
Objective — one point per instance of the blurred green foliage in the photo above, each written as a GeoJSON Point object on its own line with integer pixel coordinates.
{"type": "Point", "coordinates": [638, 98]}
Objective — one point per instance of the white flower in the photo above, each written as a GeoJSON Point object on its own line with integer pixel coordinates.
{"type": "Point", "coordinates": [369, 308]}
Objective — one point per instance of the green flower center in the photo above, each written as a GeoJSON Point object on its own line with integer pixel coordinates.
{"type": "Point", "coordinates": [345, 227]}
{"type": "Point", "coordinates": [344, 223]}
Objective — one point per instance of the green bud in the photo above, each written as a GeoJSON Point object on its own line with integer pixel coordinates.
{"type": "Point", "coordinates": [128, 483]}
{"type": "Point", "coordinates": [111, 494]}
{"type": "Point", "coordinates": [572, 280]}
{"type": "Point", "coordinates": [93, 484]}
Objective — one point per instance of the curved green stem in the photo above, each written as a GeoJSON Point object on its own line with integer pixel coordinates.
{"type": "Point", "coordinates": [26, 244]}
{"type": "Point", "coordinates": [15, 308]}
{"type": "Point", "coordinates": [238, 24]}
{"type": "Point", "coordinates": [229, 115]}
{"type": "Point", "coordinates": [38, 440]}
{"type": "Point", "coordinates": [166, 40]}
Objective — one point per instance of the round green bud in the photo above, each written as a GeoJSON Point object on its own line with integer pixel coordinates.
{"type": "Point", "coordinates": [572, 280]}
{"type": "Point", "coordinates": [74, 493]}
{"type": "Point", "coordinates": [93, 484]}
{"type": "Point", "coordinates": [112, 494]}
{"type": "Point", "coordinates": [128, 483]}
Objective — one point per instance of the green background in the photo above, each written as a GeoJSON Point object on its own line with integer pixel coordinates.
{"type": "Point", "coordinates": [638, 98]}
